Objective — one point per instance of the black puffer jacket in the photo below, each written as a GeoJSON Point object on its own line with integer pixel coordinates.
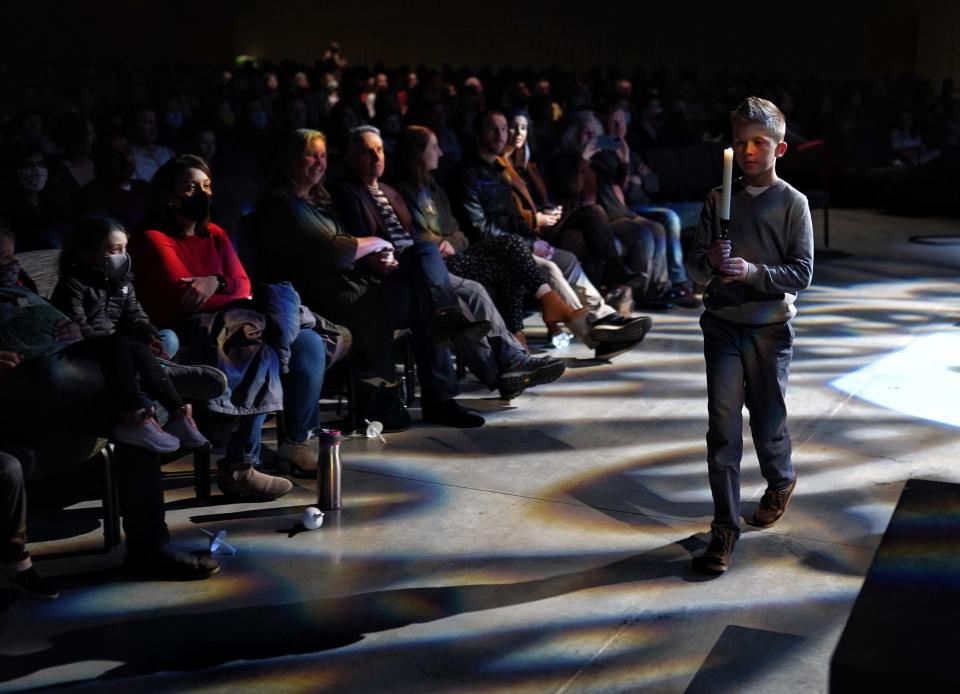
{"type": "Point", "coordinates": [102, 306]}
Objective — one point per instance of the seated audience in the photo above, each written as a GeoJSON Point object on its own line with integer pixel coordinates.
{"type": "Point", "coordinates": [490, 210]}
{"type": "Point", "coordinates": [585, 172]}
{"type": "Point", "coordinates": [32, 207]}
{"type": "Point", "coordinates": [584, 230]}
{"type": "Point", "coordinates": [421, 291]}
{"type": "Point", "coordinates": [76, 169]}
{"type": "Point", "coordinates": [198, 285]}
{"type": "Point", "coordinates": [114, 191]}
{"type": "Point", "coordinates": [638, 184]}
{"type": "Point", "coordinates": [47, 387]}
{"type": "Point", "coordinates": [148, 156]}
{"type": "Point", "coordinates": [503, 264]}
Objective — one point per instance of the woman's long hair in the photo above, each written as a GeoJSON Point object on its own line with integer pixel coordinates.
{"type": "Point", "coordinates": [159, 212]}
{"type": "Point", "coordinates": [408, 157]}
{"type": "Point", "coordinates": [528, 145]}
{"type": "Point", "coordinates": [281, 174]}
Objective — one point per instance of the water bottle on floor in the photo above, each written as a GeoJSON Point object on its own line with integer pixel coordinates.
{"type": "Point", "coordinates": [328, 469]}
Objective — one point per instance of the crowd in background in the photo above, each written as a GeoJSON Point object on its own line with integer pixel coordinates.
{"type": "Point", "coordinates": [448, 202]}
{"type": "Point", "coordinates": [58, 117]}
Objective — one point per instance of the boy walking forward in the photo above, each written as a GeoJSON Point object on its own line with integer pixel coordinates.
{"type": "Point", "coordinates": [752, 283]}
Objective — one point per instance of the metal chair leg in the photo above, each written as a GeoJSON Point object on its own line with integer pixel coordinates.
{"type": "Point", "coordinates": [201, 472]}
{"type": "Point", "coordinates": [353, 392]}
{"type": "Point", "coordinates": [111, 498]}
{"type": "Point", "coordinates": [409, 369]}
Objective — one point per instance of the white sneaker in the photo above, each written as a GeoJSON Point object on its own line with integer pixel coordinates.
{"type": "Point", "coordinates": [185, 429]}
{"type": "Point", "coordinates": [146, 434]}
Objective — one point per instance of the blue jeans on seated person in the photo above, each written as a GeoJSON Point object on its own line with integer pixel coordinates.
{"type": "Point", "coordinates": [417, 290]}
{"type": "Point", "coordinates": [170, 341]}
{"type": "Point", "coordinates": [302, 387]}
{"type": "Point", "coordinates": [674, 217]}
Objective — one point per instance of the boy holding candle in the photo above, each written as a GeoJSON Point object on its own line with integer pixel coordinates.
{"type": "Point", "coordinates": [752, 282]}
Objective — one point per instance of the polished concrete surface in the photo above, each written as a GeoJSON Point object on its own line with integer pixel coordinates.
{"type": "Point", "coordinates": [550, 550]}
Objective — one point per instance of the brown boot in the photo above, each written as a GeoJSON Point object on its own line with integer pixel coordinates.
{"type": "Point", "coordinates": [297, 458]}
{"type": "Point", "coordinates": [716, 559]}
{"type": "Point", "coordinates": [772, 506]}
{"type": "Point", "coordinates": [242, 481]}
{"type": "Point", "coordinates": [556, 310]}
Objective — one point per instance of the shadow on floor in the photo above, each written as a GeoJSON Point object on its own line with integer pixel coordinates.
{"type": "Point", "coordinates": [207, 639]}
{"type": "Point", "coordinates": [743, 656]}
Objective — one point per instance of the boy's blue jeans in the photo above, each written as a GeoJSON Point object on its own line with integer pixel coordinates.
{"type": "Point", "coordinates": [746, 364]}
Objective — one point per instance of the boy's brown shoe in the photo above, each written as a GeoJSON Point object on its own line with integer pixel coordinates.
{"type": "Point", "coordinates": [772, 506]}
{"type": "Point", "coordinates": [716, 559]}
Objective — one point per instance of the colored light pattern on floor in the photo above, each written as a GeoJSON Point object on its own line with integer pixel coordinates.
{"type": "Point", "coordinates": [548, 551]}
{"type": "Point", "coordinates": [921, 380]}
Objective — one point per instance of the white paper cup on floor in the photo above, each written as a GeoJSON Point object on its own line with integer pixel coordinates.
{"type": "Point", "coordinates": [312, 518]}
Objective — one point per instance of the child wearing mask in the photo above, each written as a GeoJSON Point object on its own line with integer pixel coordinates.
{"type": "Point", "coordinates": [96, 291]}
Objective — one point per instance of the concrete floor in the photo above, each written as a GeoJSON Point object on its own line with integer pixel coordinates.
{"type": "Point", "coordinates": [550, 550]}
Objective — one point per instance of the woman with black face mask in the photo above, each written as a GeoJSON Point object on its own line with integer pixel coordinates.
{"type": "Point", "coordinates": [191, 279]}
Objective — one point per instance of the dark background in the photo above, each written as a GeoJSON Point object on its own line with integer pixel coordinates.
{"type": "Point", "coordinates": [835, 39]}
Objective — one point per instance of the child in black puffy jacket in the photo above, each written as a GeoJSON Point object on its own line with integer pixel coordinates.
{"type": "Point", "coordinates": [96, 291]}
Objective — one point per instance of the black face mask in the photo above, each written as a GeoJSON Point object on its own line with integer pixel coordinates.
{"type": "Point", "coordinates": [195, 207]}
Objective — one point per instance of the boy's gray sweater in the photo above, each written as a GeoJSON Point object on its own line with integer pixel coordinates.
{"type": "Point", "coordinates": [773, 232]}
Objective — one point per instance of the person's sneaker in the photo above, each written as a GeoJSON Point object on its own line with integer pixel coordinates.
{"type": "Point", "coordinates": [716, 559]}
{"type": "Point", "coordinates": [773, 504]}
{"type": "Point", "coordinates": [169, 563]}
{"type": "Point", "coordinates": [616, 328]}
{"type": "Point", "coordinates": [241, 480]}
{"type": "Point", "coordinates": [185, 429]}
{"type": "Point", "coordinates": [453, 324]}
{"type": "Point", "coordinates": [26, 581]}
{"type": "Point", "coordinates": [528, 372]}
{"type": "Point", "coordinates": [296, 458]}
{"type": "Point", "coordinates": [606, 351]}
{"type": "Point", "coordinates": [197, 382]}
{"type": "Point", "coordinates": [450, 413]}
{"type": "Point", "coordinates": [146, 433]}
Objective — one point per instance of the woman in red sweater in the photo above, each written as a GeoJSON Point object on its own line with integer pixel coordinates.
{"type": "Point", "coordinates": [193, 265]}
{"type": "Point", "coordinates": [189, 266]}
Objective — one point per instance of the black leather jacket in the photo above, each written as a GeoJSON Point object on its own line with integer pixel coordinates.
{"type": "Point", "coordinates": [486, 201]}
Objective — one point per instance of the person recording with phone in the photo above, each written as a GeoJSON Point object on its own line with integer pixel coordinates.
{"type": "Point", "coordinates": [583, 173]}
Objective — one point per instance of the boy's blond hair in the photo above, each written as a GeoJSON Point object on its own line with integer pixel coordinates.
{"type": "Point", "coordinates": [764, 113]}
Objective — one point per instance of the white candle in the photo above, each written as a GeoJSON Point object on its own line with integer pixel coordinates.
{"type": "Point", "coordinates": [727, 183]}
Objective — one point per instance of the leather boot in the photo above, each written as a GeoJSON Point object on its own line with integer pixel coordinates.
{"type": "Point", "coordinates": [716, 559]}
{"type": "Point", "coordinates": [556, 310]}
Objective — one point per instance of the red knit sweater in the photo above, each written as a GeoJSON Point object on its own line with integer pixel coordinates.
{"type": "Point", "coordinates": [161, 261]}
